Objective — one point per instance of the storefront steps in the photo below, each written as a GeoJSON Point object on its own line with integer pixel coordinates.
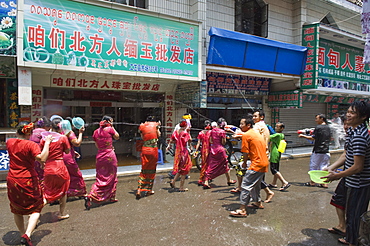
{"type": "Point", "coordinates": [129, 165]}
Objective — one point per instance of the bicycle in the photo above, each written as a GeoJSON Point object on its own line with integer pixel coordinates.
{"type": "Point", "coordinates": [232, 151]}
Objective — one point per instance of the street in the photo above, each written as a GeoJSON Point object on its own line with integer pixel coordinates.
{"type": "Point", "coordinates": [298, 216]}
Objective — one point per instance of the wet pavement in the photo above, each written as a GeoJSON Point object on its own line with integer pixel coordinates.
{"type": "Point", "coordinates": [298, 216]}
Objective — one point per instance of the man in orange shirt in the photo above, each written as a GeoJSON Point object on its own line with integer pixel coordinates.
{"type": "Point", "coordinates": [254, 149]}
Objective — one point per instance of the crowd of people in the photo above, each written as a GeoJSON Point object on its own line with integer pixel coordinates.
{"type": "Point", "coordinates": [43, 167]}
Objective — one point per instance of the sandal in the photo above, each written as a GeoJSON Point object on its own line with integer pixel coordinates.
{"type": "Point", "coordinates": [231, 182]}
{"type": "Point", "coordinates": [343, 240]}
{"type": "Point", "coordinates": [184, 190]}
{"type": "Point", "coordinates": [283, 188]}
{"type": "Point", "coordinates": [309, 184]}
{"type": "Point", "coordinates": [63, 217]}
{"type": "Point", "coordinates": [149, 193]}
{"type": "Point", "coordinates": [335, 230]}
{"type": "Point", "coordinates": [235, 190]}
{"type": "Point", "coordinates": [272, 186]}
{"type": "Point", "coordinates": [238, 213]}
{"type": "Point", "coordinates": [255, 206]}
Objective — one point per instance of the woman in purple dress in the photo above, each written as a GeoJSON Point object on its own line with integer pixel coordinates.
{"type": "Point", "coordinates": [217, 158]}
{"type": "Point", "coordinates": [104, 188]}
{"type": "Point", "coordinates": [77, 185]}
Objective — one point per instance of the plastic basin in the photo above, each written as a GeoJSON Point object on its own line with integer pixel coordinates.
{"type": "Point", "coordinates": [55, 135]}
{"type": "Point", "coordinates": [78, 122]}
{"type": "Point", "coordinates": [315, 176]}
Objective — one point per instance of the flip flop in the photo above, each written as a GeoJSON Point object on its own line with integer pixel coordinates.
{"type": "Point", "coordinates": [336, 231]}
{"type": "Point", "coordinates": [309, 184]}
{"type": "Point", "coordinates": [283, 188]}
{"type": "Point", "coordinates": [238, 213]}
{"type": "Point", "coordinates": [272, 186]}
{"type": "Point", "coordinates": [235, 190]}
{"type": "Point", "coordinates": [343, 240]}
{"type": "Point", "coordinates": [172, 185]}
{"type": "Point", "coordinates": [63, 217]}
{"type": "Point", "coordinates": [184, 190]}
{"type": "Point", "coordinates": [255, 206]}
{"type": "Point", "coordinates": [149, 193]}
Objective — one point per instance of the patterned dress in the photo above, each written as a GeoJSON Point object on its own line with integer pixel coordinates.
{"type": "Point", "coordinates": [105, 186]}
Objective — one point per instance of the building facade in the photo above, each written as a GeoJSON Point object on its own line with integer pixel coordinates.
{"type": "Point", "coordinates": [130, 59]}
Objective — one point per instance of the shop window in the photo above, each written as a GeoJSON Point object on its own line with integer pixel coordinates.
{"type": "Point", "coordinates": [80, 110]}
{"type": "Point", "coordinates": [134, 3]}
{"type": "Point", "coordinates": [251, 16]}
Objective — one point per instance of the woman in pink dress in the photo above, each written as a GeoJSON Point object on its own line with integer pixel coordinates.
{"type": "Point", "coordinates": [105, 186]}
{"type": "Point", "coordinates": [77, 185]}
{"type": "Point", "coordinates": [182, 161]}
{"type": "Point", "coordinates": [24, 191]}
{"type": "Point", "coordinates": [203, 138]}
{"type": "Point", "coordinates": [56, 177]}
{"type": "Point", "coordinates": [42, 125]}
{"type": "Point", "coordinates": [217, 158]}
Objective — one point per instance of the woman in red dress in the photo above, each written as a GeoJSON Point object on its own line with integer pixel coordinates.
{"type": "Point", "coordinates": [56, 177]}
{"type": "Point", "coordinates": [182, 161]}
{"type": "Point", "coordinates": [24, 192]}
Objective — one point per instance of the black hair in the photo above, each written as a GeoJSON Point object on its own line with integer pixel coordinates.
{"type": "Point", "coordinates": [282, 125]}
{"type": "Point", "coordinates": [362, 109]}
{"type": "Point", "coordinates": [323, 117]}
{"type": "Point", "coordinates": [107, 118]}
{"type": "Point", "coordinates": [260, 112]}
{"type": "Point", "coordinates": [55, 124]}
{"type": "Point", "coordinates": [20, 127]}
{"type": "Point", "coordinates": [151, 118]}
{"type": "Point", "coordinates": [207, 123]}
{"type": "Point", "coordinates": [248, 120]}
{"type": "Point", "coordinates": [43, 122]}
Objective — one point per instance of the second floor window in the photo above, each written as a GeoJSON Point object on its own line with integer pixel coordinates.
{"type": "Point", "coordinates": [251, 16]}
{"type": "Point", "coordinates": [135, 3]}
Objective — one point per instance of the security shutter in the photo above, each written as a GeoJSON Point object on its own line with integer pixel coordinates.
{"type": "Point", "coordinates": [300, 118]}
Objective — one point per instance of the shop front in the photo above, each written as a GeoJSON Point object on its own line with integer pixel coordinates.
{"type": "Point", "coordinates": [334, 77]}
{"type": "Point", "coordinates": [89, 60]}
{"type": "Point", "coordinates": [243, 69]}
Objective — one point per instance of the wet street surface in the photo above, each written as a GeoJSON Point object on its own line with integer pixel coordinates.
{"type": "Point", "coordinates": [298, 216]}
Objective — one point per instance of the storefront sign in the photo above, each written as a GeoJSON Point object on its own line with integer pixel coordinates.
{"type": "Point", "coordinates": [310, 37]}
{"type": "Point", "coordinates": [285, 99]}
{"type": "Point", "coordinates": [7, 67]}
{"type": "Point", "coordinates": [237, 84]}
{"type": "Point", "coordinates": [13, 107]}
{"type": "Point", "coordinates": [170, 115]}
{"type": "Point", "coordinates": [37, 102]}
{"type": "Point", "coordinates": [4, 160]}
{"type": "Point", "coordinates": [330, 99]}
{"type": "Point", "coordinates": [346, 85]}
{"type": "Point", "coordinates": [341, 62]}
{"type": "Point", "coordinates": [83, 35]}
{"type": "Point", "coordinates": [24, 86]}
{"type": "Point", "coordinates": [104, 84]}
{"type": "Point", "coordinates": [203, 94]}
{"type": "Point", "coordinates": [8, 18]}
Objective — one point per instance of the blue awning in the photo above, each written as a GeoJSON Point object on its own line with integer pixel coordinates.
{"type": "Point", "coordinates": [235, 49]}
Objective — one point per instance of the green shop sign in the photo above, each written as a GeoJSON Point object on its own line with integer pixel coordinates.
{"type": "Point", "coordinates": [342, 62]}
{"type": "Point", "coordinates": [310, 37]}
{"type": "Point", "coordinates": [285, 99]}
{"type": "Point", "coordinates": [82, 35]}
